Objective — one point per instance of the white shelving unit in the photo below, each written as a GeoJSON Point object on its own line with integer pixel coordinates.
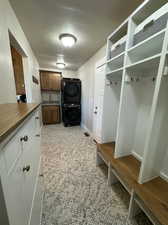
{"type": "Point", "coordinates": [138, 81]}
{"type": "Point", "coordinates": [114, 70]}
{"type": "Point", "coordinates": [135, 110]}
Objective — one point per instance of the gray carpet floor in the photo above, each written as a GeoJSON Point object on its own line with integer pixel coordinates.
{"type": "Point", "coordinates": [76, 191]}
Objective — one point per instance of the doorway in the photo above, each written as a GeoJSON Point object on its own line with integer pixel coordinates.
{"type": "Point", "coordinates": [18, 70]}
{"type": "Point", "coordinates": [98, 100]}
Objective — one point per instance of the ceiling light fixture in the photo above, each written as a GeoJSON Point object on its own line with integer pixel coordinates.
{"type": "Point", "coordinates": [60, 65]}
{"type": "Point", "coordinates": [68, 40]}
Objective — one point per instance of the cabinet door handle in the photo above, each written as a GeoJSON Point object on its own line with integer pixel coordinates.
{"type": "Point", "coordinates": [37, 135]}
{"type": "Point", "coordinates": [25, 138]}
{"type": "Point", "coordinates": [26, 169]}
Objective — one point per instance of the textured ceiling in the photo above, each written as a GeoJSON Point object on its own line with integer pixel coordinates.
{"type": "Point", "coordinates": [91, 21]}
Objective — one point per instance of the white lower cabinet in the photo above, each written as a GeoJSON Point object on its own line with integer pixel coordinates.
{"type": "Point", "coordinates": [37, 206]}
{"type": "Point", "coordinates": [20, 178]}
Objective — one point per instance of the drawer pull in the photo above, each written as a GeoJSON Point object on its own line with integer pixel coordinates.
{"type": "Point", "coordinates": [26, 169]}
{"type": "Point", "coordinates": [37, 118]}
{"type": "Point", "coordinates": [37, 135]}
{"type": "Point", "coordinates": [25, 138]}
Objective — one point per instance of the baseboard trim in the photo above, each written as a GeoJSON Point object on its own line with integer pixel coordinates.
{"type": "Point", "coordinates": [164, 176]}
{"type": "Point", "coordinates": [86, 129]}
{"type": "Point", "coordinates": [137, 156]}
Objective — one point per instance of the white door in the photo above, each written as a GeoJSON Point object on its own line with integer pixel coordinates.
{"type": "Point", "coordinates": [98, 100]}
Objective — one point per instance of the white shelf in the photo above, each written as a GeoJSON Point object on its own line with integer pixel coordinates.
{"type": "Point", "coordinates": [116, 58]}
{"type": "Point", "coordinates": [145, 67]}
{"type": "Point", "coordinates": [120, 32]}
{"type": "Point", "coordinates": [116, 62]}
{"type": "Point", "coordinates": [147, 48]}
{"type": "Point", "coordinates": [115, 74]}
{"type": "Point", "coordinates": [146, 9]}
{"type": "Point", "coordinates": [115, 71]}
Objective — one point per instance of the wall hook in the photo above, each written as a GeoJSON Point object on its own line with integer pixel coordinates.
{"type": "Point", "coordinates": [132, 79]}
{"type": "Point", "coordinates": [154, 79]}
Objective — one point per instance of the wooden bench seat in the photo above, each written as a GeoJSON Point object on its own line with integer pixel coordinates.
{"type": "Point", "coordinates": [153, 193]}
{"type": "Point", "coordinates": [155, 196]}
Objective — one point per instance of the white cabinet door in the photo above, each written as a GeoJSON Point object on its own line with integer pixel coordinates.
{"type": "Point", "coordinates": [98, 102]}
{"type": "Point", "coordinates": [14, 195]}
{"type": "Point", "coordinates": [29, 174]}
{"type": "Point", "coordinates": [12, 182]}
{"type": "Point", "coordinates": [37, 205]}
{"type": "Point", "coordinates": [31, 157]}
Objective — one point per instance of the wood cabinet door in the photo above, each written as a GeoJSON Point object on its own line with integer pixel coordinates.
{"type": "Point", "coordinates": [51, 114]}
{"type": "Point", "coordinates": [44, 79]}
{"type": "Point", "coordinates": [50, 81]}
{"type": "Point", "coordinates": [18, 71]}
{"type": "Point", "coordinates": [54, 81]}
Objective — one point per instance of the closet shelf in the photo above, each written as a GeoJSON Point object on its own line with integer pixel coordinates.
{"type": "Point", "coordinates": [146, 9]}
{"type": "Point", "coordinates": [117, 72]}
{"type": "Point", "coordinates": [119, 58]}
{"type": "Point", "coordinates": [120, 32]}
{"type": "Point", "coordinates": [149, 65]}
{"type": "Point", "coordinates": [149, 47]}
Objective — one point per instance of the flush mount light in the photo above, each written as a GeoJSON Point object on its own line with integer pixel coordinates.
{"type": "Point", "coordinates": [68, 40]}
{"type": "Point", "coordinates": [60, 65]}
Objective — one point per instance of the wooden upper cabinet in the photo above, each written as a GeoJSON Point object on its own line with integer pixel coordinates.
{"type": "Point", "coordinates": [44, 79]}
{"type": "Point", "coordinates": [50, 81]}
{"type": "Point", "coordinates": [18, 71]}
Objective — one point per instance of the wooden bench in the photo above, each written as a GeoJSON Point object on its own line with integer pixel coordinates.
{"type": "Point", "coordinates": [153, 194]}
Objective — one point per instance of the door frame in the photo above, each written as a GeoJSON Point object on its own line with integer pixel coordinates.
{"type": "Point", "coordinates": [101, 62]}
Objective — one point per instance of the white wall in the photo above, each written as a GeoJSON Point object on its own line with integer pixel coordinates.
{"type": "Point", "coordinates": [65, 73]}
{"type": "Point", "coordinates": [87, 75]}
{"type": "Point", "coordinates": [9, 22]}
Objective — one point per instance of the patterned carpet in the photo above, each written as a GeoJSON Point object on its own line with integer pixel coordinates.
{"type": "Point", "coordinates": [76, 191]}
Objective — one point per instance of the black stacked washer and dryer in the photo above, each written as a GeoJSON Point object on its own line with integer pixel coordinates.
{"type": "Point", "coordinates": [71, 101]}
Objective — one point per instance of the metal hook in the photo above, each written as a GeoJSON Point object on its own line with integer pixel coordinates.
{"type": "Point", "coordinates": [154, 79]}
